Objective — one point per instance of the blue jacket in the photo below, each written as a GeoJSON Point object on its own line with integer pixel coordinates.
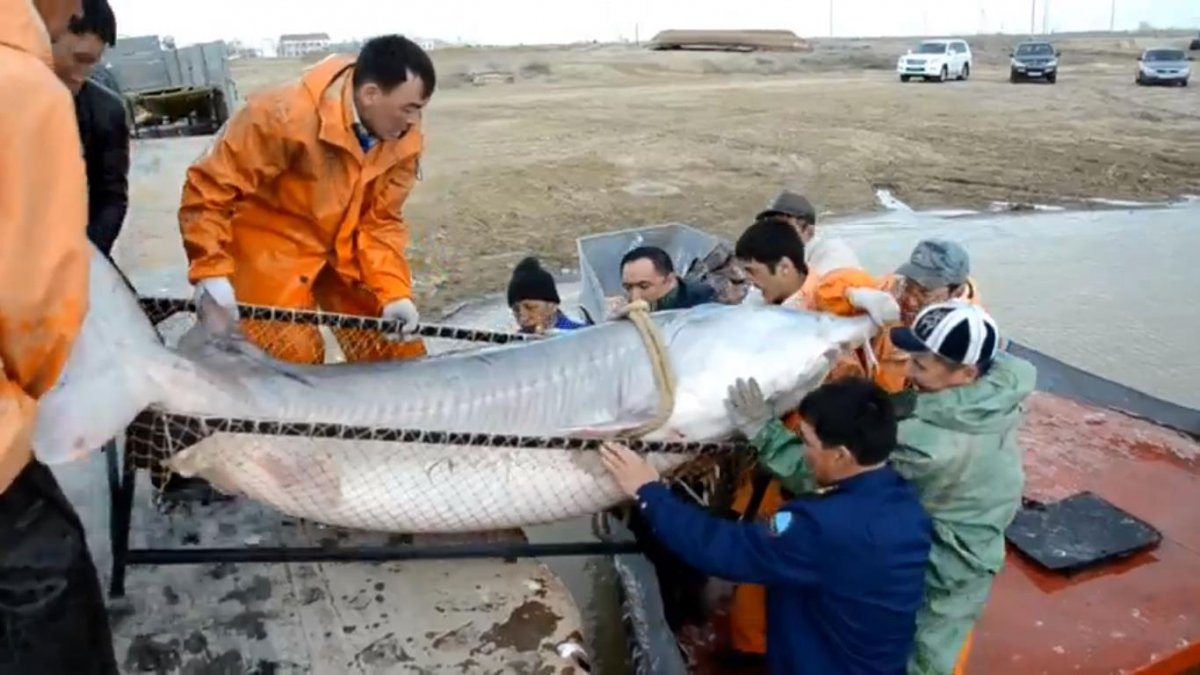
{"type": "Point", "coordinates": [844, 571]}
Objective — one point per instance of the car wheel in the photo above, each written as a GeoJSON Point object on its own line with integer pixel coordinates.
{"type": "Point", "coordinates": [1012, 76]}
{"type": "Point", "coordinates": [966, 72]}
{"type": "Point", "coordinates": [1183, 83]}
{"type": "Point", "coordinates": [1139, 81]}
{"type": "Point", "coordinates": [945, 74]}
{"type": "Point", "coordinates": [1052, 78]}
{"type": "Point", "coordinates": [904, 78]}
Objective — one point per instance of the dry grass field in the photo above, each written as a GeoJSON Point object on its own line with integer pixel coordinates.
{"type": "Point", "coordinates": [529, 148]}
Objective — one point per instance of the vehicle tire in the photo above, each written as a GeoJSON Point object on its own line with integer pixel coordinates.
{"type": "Point", "coordinates": [904, 78]}
{"type": "Point", "coordinates": [945, 74]}
{"type": "Point", "coordinates": [966, 72]}
{"type": "Point", "coordinates": [1052, 78]}
{"type": "Point", "coordinates": [1183, 83]}
{"type": "Point", "coordinates": [1013, 77]}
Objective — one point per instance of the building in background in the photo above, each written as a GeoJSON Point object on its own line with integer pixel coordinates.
{"type": "Point", "coordinates": [300, 44]}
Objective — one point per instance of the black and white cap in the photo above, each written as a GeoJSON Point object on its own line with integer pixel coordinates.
{"type": "Point", "coordinates": [956, 330]}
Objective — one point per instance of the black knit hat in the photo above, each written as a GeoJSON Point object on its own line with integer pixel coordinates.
{"type": "Point", "coordinates": [531, 282]}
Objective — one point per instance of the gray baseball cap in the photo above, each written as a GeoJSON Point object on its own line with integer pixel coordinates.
{"type": "Point", "coordinates": [788, 203]}
{"type": "Point", "coordinates": [937, 262]}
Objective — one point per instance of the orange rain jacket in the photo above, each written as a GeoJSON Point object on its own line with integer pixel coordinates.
{"type": "Point", "coordinates": [286, 194]}
{"type": "Point", "coordinates": [44, 251]}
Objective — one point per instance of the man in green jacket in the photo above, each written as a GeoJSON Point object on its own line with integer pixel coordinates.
{"type": "Point", "coordinates": [958, 446]}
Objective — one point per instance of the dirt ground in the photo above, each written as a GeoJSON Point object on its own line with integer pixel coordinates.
{"type": "Point", "coordinates": [529, 148]}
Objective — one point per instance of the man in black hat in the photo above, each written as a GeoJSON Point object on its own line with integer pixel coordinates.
{"type": "Point", "coordinates": [533, 299]}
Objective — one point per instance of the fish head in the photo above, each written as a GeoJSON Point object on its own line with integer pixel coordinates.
{"type": "Point", "coordinates": [789, 352]}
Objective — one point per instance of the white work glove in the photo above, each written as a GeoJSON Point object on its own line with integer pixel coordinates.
{"type": "Point", "coordinates": [220, 290]}
{"type": "Point", "coordinates": [748, 410]}
{"type": "Point", "coordinates": [405, 312]}
{"type": "Point", "coordinates": [881, 306]}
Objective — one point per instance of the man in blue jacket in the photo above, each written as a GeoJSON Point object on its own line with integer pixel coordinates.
{"type": "Point", "coordinates": [844, 568]}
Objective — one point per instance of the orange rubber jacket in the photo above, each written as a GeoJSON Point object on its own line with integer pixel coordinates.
{"type": "Point", "coordinates": [287, 190]}
{"type": "Point", "coordinates": [44, 251]}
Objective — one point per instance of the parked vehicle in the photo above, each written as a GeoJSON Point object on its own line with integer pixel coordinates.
{"type": "Point", "coordinates": [1195, 44]}
{"type": "Point", "coordinates": [1034, 61]}
{"type": "Point", "coordinates": [936, 60]}
{"type": "Point", "coordinates": [184, 90]}
{"type": "Point", "coordinates": [1164, 66]}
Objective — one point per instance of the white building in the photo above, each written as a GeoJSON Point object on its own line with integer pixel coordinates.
{"type": "Point", "coordinates": [299, 44]}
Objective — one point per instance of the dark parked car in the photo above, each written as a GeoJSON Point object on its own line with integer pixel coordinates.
{"type": "Point", "coordinates": [1034, 61]}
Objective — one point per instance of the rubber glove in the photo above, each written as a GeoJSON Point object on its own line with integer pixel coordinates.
{"type": "Point", "coordinates": [748, 409]}
{"type": "Point", "coordinates": [881, 306]}
{"type": "Point", "coordinates": [405, 312]}
{"type": "Point", "coordinates": [220, 290]}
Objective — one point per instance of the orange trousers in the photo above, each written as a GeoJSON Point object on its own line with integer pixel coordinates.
{"type": "Point", "coordinates": [298, 343]}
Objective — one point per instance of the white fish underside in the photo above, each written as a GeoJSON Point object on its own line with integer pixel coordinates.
{"type": "Point", "coordinates": [596, 379]}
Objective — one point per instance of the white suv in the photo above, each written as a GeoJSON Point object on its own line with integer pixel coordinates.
{"type": "Point", "coordinates": [936, 60]}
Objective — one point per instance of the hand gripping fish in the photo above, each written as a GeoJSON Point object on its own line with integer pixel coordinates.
{"type": "Point", "coordinates": [598, 380]}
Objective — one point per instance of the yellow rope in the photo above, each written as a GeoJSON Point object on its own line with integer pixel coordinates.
{"type": "Point", "coordinates": [660, 364]}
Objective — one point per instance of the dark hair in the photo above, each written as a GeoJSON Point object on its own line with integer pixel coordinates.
{"type": "Point", "coordinates": [657, 257]}
{"type": "Point", "coordinates": [855, 413]}
{"type": "Point", "coordinates": [769, 240]}
{"type": "Point", "coordinates": [97, 19]}
{"type": "Point", "coordinates": [389, 60]}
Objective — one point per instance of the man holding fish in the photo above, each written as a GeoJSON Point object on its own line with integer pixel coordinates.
{"type": "Point", "coordinates": [52, 615]}
{"type": "Point", "coordinates": [845, 569]}
{"type": "Point", "coordinates": [298, 203]}
{"type": "Point", "coordinates": [773, 253]}
{"type": "Point", "coordinates": [958, 447]}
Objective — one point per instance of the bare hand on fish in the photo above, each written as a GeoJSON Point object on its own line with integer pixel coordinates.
{"type": "Point", "coordinates": [630, 469]}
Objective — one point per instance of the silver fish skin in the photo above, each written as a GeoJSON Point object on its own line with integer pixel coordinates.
{"type": "Point", "coordinates": [595, 381]}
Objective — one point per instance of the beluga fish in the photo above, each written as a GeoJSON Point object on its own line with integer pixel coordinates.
{"type": "Point", "coordinates": [598, 380]}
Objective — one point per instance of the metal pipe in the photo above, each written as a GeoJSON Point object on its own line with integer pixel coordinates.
{"type": "Point", "coordinates": [196, 556]}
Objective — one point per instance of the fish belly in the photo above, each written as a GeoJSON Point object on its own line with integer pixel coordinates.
{"type": "Point", "coordinates": [408, 487]}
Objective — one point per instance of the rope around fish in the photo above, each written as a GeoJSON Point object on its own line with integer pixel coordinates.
{"type": "Point", "coordinates": [638, 312]}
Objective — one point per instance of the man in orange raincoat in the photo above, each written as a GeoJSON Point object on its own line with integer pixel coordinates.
{"type": "Point", "coordinates": [52, 615]}
{"type": "Point", "coordinates": [773, 254]}
{"type": "Point", "coordinates": [298, 202]}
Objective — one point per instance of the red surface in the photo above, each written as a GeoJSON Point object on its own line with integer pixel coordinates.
{"type": "Point", "coordinates": [1141, 615]}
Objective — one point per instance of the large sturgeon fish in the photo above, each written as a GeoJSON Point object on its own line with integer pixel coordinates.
{"type": "Point", "coordinates": [594, 380]}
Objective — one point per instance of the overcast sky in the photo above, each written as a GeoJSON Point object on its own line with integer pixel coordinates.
{"type": "Point", "coordinates": [506, 21]}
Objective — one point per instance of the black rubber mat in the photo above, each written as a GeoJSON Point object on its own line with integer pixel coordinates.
{"type": "Point", "coordinates": [1078, 533]}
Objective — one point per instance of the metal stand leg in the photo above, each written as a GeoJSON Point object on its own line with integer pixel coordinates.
{"type": "Point", "coordinates": [121, 480]}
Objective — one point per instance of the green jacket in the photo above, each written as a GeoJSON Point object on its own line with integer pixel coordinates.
{"type": "Point", "coordinates": [959, 447]}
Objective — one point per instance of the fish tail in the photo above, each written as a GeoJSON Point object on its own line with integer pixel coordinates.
{"type": "Point", "coordinates": [108, 379]}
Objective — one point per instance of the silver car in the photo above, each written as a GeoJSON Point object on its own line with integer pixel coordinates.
{"type": "Point", "coordinates": [1164, 66]}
